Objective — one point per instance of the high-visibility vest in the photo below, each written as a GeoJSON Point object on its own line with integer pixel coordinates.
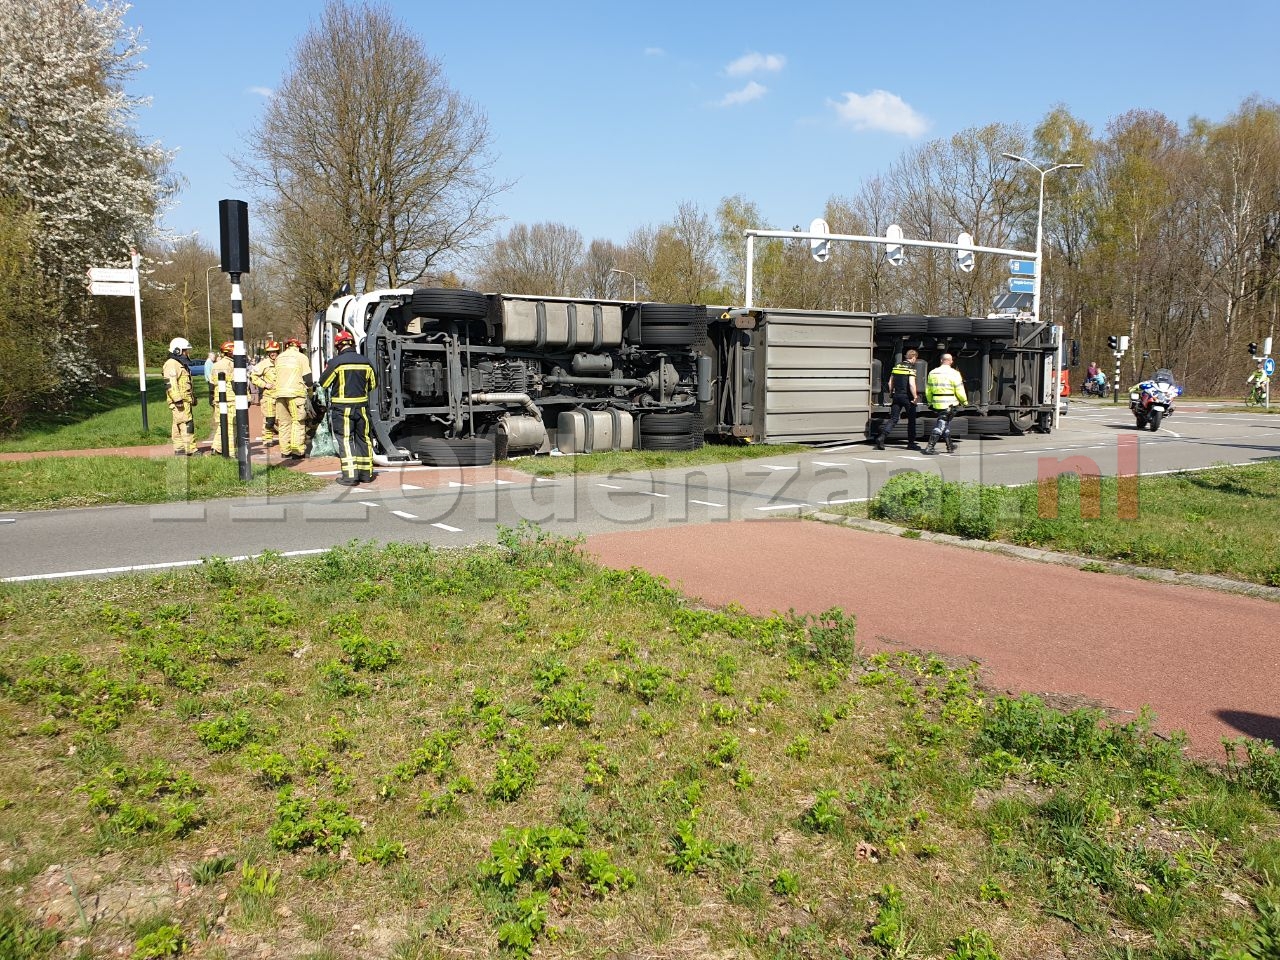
{"type": "Point", "coordinates": [945, 388]}
{"type": "Point", "coordinates": [905, 371]}
{"type": "Point", "coordinates": [292, 369]}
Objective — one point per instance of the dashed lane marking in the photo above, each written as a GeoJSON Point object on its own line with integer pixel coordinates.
{"type": "Point", "coordinates": [772, 466]}
{"type": "Point", "coordinates": [609, 486]}
{"type": "Point", "coordinates": [368, 504]}
{"type": "Point", "coordinates": [784, 506]}
{"type": "Point", "coordinates": [650, 493]}
{"type": "Point", "coordinates": [706, 503]}
{"type": "Point", "coordinates": [828, 463]}
{"type": "Point", "coordinates": [404, 516]}
{"type": "Point", "coordinates": [837, 502]}
{"type": "Point", "coordinates": [143, 567]}
{"type": "Point", "coordinates": [448, 529]}
{"type": "Point", "coordinates": [409, 486]}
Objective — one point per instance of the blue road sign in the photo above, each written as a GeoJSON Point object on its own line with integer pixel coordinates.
{"type": "Point", "coordinates": [1022, 268]}
{"type": "Point", "coordinates": [1017, 285]}
{"type": "Point", "coordinates": [1268, 366]}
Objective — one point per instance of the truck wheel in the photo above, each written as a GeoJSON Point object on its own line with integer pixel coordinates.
{"type": "Point", "coordinates": [686, 441]}
{"type": "Point", "coordinates": [672, 325]}
{"type": "Point", "coordinates": [900, 325]}
{"type": "Point", "coordinates": [999, 329]}
{"type": "Point", "coordinates": [951, 326]}
{"type": "Point", "coordinates": [669, 424]}
{"type": "Point", "coordinates": [996, 426]}
{"type": "Point", "coordinates": [1022, 420]}
{"type": "Point", "coordinates": [446, 304]}
{"type": "Point", "coordinates": [455, 451]}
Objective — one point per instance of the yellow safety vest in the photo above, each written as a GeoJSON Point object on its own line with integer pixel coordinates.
{"type": "Point", "coordinates": [945, 388]}
{"type": "Point", "coordinates": [291, 370]}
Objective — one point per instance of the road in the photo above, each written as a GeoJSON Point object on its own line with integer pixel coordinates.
{"type": "Point", "coordinates": [459, 507]}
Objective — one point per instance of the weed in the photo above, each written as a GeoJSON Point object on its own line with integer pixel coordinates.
{"type": "Point", "coordinates": [889, 930]}
{"type": "Point", "coordinates": [570, 705]}
{"type": "Point", "coordinates": [516, 772]}
{"type": "Point", "coordinates": [518, 934]}
{"type": "Point", "coordinates": [384, 853]}
{"type": "Point", "coordinates": [301, 823]}
{"type": "Point", "coordinates": [210, 871]}
{"type": "Point", "coordinates": [599, 768]}
{"type": "Point", "coordinates": [1260, 769]}
{"type": "Point", "coordinates": [799, 748]}
{"type": "Point", "coordinates": [223, 734]}
{"type": "Point", "coordinates": [689, 852]}
{"type": "Point", "coordinates": [268, 768]}
{"type": "Point", "coordinates": [824, 814]}
{"type": "Point", "coordinates": [548, 672]}
{"type": "Point", "coordinates": [166, 941]}
{"type": "Point", "coordinates": [364, 653]}
{"type": "Point", "coordinates": [785, 883]}
{"type": "Point", "coordinates": [724, 751]}
{"type": "Point", "coordinates": [990, 891]}
{"type": "Point", "coordinates": [972, 945]}
{"type": "Point", "coordinates": [259, 881]}
{"type": "Point", "coordinates": [22, 940]}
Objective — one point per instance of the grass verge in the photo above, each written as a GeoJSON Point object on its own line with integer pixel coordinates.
{"type": "Point", "coordinates": [55, 483]}
{"type": "Point", "coordinates": [107, 416]}
{"type": "Point", "coordinates": [626, 461]}
{"type": "Point", "coordinates": [1220, 521]}
{"type": "Point", "coordinates": [510, 750]}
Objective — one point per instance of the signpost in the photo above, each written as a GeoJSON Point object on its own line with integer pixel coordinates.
{"type": "Point", "coordinates": [1022, 268]}
{"type": "Point", "coordinates": [964, 255]}
{"type": "Point", "coordinates": [820, 250]}
{"type": "Point", "coordinates": [1021, 285]}
{"type": "Point", "coordinates": [123, 282]}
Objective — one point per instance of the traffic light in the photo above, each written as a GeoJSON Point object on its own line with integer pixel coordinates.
{"type": "Point", "coordinates": [1113, 342]}
{"type": "Point", "coordinates": [1253, 349]}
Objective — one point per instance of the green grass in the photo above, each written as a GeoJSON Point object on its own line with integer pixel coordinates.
{"type": "Point", "coordinates": [53, 483]}
{"type": "Point", "coordinates": [370, 753]}
{"type": "Point", "coordinates": [105, 417]}
{"type": "Point", "coordinates": [1220, 521]}
{"type": "Point", "coordinates": [624, 461]}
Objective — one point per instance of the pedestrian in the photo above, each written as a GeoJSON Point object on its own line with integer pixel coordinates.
{"type": "Point", "coordinates": [293, 382]}
{"type": "Point", "coordinates": [944, 393]}
{"type": "Point", "coordinates": [349, 380]}
{"type": "Point", "coordinates": [902, 390]}
{"type": "Point", "coordinates": [180, 396]}
{"type": "Point", "coordinates": [263, 377]}
{"type": "Point", "coordinates": [221, 376]}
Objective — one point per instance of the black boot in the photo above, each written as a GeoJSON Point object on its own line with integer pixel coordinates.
{"type": "Point", "coordinates": [929, 451]}
{"type": "Point", "coordinates": [951, 444]}
{"type": "Point", "coordinates": [880, 441]}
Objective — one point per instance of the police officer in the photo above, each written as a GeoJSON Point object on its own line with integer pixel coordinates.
{"type": "Point", "coordinates": [180, 396]}
{"type": "Point", "coordinates": [349, 380]}
{"type": "Point", "coordinates": [221, 376]}
{"type": "Point", "coordinates": [944, 392]}
{"type": "Point", "coordinates": [263, 376]}
{"type": "Point", "coordinates": [293, 381]}
{"type": "Point", "coordinates": [902, 390]}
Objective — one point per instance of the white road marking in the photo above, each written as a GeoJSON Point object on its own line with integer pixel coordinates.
{"type": "Point", "coordinates": [706, 503]}
{"type": "Point", "coordinates": [403, 516]}
{"type": "Point", "coordinates": [771, 466]}
{"type": "Point", "coordinates": [504, 483]}
{"type": "Point", "coordinates": [650, 493]}
{"type": "Point", "coordinates": [447, 528]}
{"type": "Point", "coordinates": [870, 460]}
{"type": "Point", "coordinates": [368, 504]}
{"type": "Point", "coordinates": [828, 463]}
{"type": "Point", "coordinates": [783, 506]}
{"type": "Point", "coordinates": [843, 446]}
{"type": "Point", "coordinates": [8, 520]}
{"type": "Point", "coordinates": [455, 483]}
{"type": "Point", "coordinates": [1172, 434]}
{"type": "Point", "coordinates": [544, 480]}
{"type": "Point", "coordinates": [409, 486]}
{"type": "Point", "coordinates": [608, 486]}
{"type": "Point", "coordinates": [143, 567]}
{"type": "Point", "coordinates": [832, 503]}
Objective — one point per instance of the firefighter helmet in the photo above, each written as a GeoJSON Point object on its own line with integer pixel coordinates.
{"type": "Point", "coordinates": [293, 342]}
{"type": "Point", "coordinates": [229, 347]}
{"type": "Point", "coordinates": [179, 343]}
{"type": "Point", "coordinates": [343, 339]}
{"type": "Point", "coordinates": [272, 347]}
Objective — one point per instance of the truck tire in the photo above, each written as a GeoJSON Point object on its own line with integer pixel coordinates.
{"type": "Point", "coordinates": [997, 329]}
{"type": "Point", "coordinates": [993, 426]}
{"type": "Point", "coordinates": [687, 441]}
{"type": "Point", "coordinates": [1023, 419]}
{"type": "Point", "coordinates": [669, 424]}
{"type": "Point", "coordinates": [899, 325]}
{"type": "Point", "coordinates": [672, 325]}
{"type": "Point", "coordinates": [446, 304]}
{"type": "Point", "coordinates": [455, 451]}
{"type": "Point", "coordinates": [950, 326]}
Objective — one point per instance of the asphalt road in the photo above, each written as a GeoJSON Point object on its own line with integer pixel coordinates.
{"type": "Point", "coordinates": [459, 507]}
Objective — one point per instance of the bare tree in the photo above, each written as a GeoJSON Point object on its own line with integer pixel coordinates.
{"type": "Point", "coordinates": [599, 278]}
{"type": "Point", "coordinates": [543, 259]}
{"type": "Point", "coordinates": [366, 149]}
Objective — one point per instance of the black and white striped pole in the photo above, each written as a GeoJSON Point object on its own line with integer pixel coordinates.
{"type": "Point", "coordinates": [233, 217]}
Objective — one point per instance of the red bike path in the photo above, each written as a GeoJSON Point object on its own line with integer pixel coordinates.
{"type": "Point", "coordinates": [1206, 662]}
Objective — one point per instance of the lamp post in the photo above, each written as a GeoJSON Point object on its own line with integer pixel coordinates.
{"type": "Point", "coordinates": [1044, 172]}
{"type": "Point", "coordinates": [633, 280]}
{"type": "Point", "coordinates": [208, 308]}
{"type": "Point", "coordinates": [1035, 284]}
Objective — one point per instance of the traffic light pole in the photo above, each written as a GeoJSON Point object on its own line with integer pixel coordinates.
{"type": "Point", "coordinates": [1115, 395]}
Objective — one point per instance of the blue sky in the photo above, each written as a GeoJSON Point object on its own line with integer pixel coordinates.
{"type": "Point", "coordinates": [606, 116]}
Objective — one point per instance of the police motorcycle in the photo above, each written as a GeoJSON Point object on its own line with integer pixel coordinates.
{"type": "Point", "coordinates": [1152, 400]}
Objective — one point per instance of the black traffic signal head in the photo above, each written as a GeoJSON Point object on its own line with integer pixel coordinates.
{"type": "Point", "coordinates": [1113, 342]}
{"type": "Point", "coordinates": [1253, 349]}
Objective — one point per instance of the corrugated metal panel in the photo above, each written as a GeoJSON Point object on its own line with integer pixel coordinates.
{"type": "Point", "coordinates": [817, 375]}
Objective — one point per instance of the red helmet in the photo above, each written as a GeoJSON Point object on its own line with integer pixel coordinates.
{"type": "Point", "coordinates": [272, 347]}
{"type": "Point", "coordinates": [343, 338]}
{"type": "Point", "coordinates": [229, 347]}
{"type": "Point", "coordinates": [293, 342]}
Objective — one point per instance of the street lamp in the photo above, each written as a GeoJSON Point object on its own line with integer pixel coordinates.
{"type": "Point", "coordinates": [633, 280]}
{"type": "Point", "coordinates": [208, 307]}
{"type": "Point", "coordinates": [1035, 287]}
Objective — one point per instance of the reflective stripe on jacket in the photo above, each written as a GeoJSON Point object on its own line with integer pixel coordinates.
{"type": "Point", "coordinates": [349, 378]}
{"type": "Point", "coordinates": [945, 388]}
{"type": "Point", "coordinates": [900, 380]}
{"type": "Point", "coordinates": [292, 371]}
{"type": "Point", "coordinates": [177, 381]}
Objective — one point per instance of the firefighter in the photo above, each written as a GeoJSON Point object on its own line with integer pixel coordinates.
{"type": "Point", "coordinates": [180, 396]}
{"type": "Point", "coordinates": [292, 384]}
{"type": "Point", "coordinates": [944, 393]}
{"type": "Point", "coordinates": [902, 389]}
{"type": "Point", "coordinates": [263, 376]}
{"type": "Point", "coordinates": [222, 375]}
{"type": "Point", "coordinates": [349, 380]}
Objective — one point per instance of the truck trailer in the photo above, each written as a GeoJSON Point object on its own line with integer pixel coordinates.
{"type": "Point", "coordinates": [465, 377]}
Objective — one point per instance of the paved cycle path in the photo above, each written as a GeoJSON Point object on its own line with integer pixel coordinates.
{"type": "Point", "coordinates": [1206, 662]}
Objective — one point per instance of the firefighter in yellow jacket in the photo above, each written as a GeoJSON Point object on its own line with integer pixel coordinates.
{"type": "Point", "coordinates": [180, 396]}
{"type": "Point", "coordinates": [944, 393]}
{"type": "Point", "coordinates": [222, 377]}
{"type": "Point", "coordinates": [293, 382]}
{"type": "Point", "coordinates": [263, 376]}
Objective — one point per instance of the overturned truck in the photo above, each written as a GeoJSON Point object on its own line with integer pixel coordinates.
{"type": "Point", "coordinates": [466, 378]}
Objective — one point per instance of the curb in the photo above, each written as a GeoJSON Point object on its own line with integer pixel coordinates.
{"type": "Point", "coordinates": [1091, 564]}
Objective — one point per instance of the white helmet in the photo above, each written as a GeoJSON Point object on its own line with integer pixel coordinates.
{"type": "Point", "coordinates": [179, 343]}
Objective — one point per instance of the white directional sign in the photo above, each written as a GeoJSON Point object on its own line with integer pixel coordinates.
{"type": "Point", "coordinates": [964, 256]}
{"type": "Point", "coordinates": [820, 250]}
{"type": "Point", "coordinates": [1269, 366]}
{"type": "Point", "coordinates": [1019, 285]}
{"type": "Point", "coordinates": [112, 288]}
{"type": "Point", "coordinates": [893, 251]}
{"type": "Point", "coordinates": [111, 274]}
